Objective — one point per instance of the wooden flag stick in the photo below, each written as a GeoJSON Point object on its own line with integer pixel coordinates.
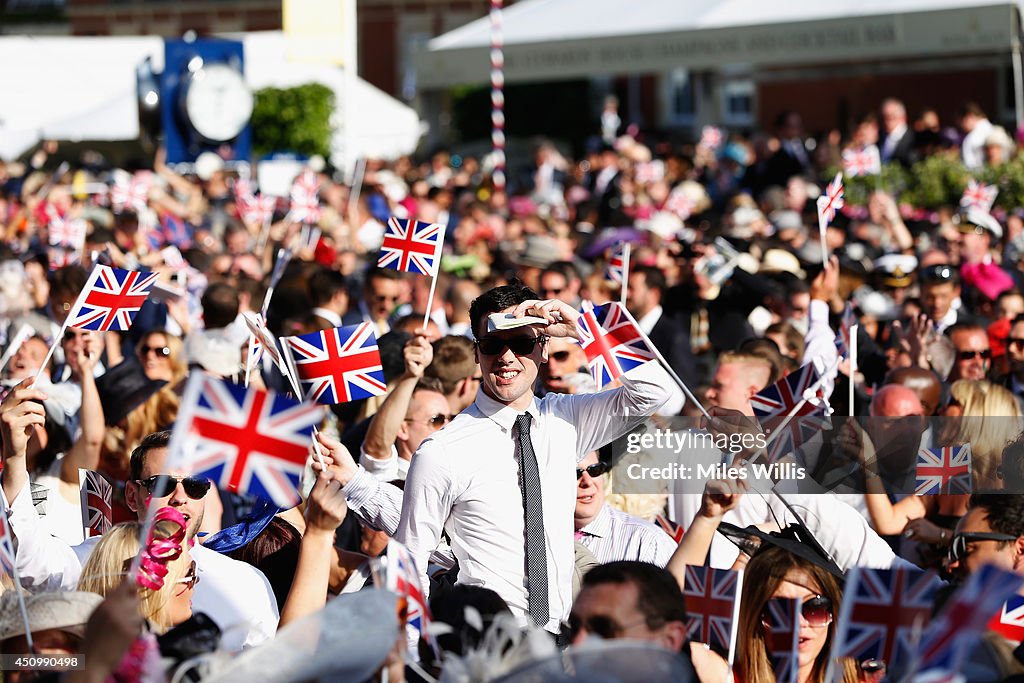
{"type": "Point", "coordinates": [626, 247]}
{"type": "Point", "coordinates": [853, 365]}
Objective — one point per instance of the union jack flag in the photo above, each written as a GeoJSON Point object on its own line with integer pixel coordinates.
{"type": "Point", "coordinates": [712, 605]}
{"type": "Point", "coordinates": [612, 341]}
{"type": "Point", "coordinates": [1009, 620]}
{"type": "Point", "coordinates": [647, 172]}
{"type": "Point", "coordinates": [305, 200]}
{"type": "Point", "coordinates": [948, 638]}
{"type": "Point", "coordinates": [110, 299]}
{"type": "Point", "coordinates": [96, 510]}
{"type": "Point", "coordinates": [248, 441]}
{"type": "Point", "coordinates": [59, 257]}
{"type": "Point", "coordinates": [617, 264]}
{"type": "Point", "coordinates": [799, 431]}
{"type": "Point", "coordinates": [244, 190]}
{"type": "Point", "coordinates": [783, 638]}
{"type": "Point", "coordinates": [411, 246]}
{"type": "Point", "coordinates": [676, 531]}
{"type": "Point", "coordinates": [257, 209]}
{"type": "Point", "coordinates": [402, 578]}
{"type": "Point", "coordinates": [6, 546]}
{"type": "Point", "coordinates": [883, 613]}
{"type": "Point", "coordinates": [863, 161]}
{"type": "Point", "coordinates": [946, 469]}
{"type": "Point", "coordinates": [68, 233]}
{"type": "Point", "coordinates": [265, 340]}
{"type": "Point", "coordinates": [831, 201]}
{"type": "Point", "coordinates": [131, 192]}
{"type": "Point", "coordinates": [979, 195]}
{"type": "Point", "coordinates": [338, 365]}
{"type": "Point", "coordinates": [846, 323]}
{"type": "Point", "coordinates": [679, 203]}
{"type": "Point", "coordinates": [710, 137]}
{"type": "Point", "coordinates": [779, 399]}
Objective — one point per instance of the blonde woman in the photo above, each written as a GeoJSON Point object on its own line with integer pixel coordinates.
{"type": "Point", "coordinates": [166, 581]}
{"type": "Point", "coordinates": [980, 413]}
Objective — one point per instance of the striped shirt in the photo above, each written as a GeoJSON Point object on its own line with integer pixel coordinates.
{"type": "Point", "coordinates": [615, 535]}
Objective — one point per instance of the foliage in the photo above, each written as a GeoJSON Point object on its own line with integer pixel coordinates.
{"type": "Point", "coordinates": [293, 120]}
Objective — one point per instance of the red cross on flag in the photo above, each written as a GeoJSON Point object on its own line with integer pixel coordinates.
{"type": "Point", "coordinates": [248, 441]}
{"type": "Point", "coordinates": [110, 299]}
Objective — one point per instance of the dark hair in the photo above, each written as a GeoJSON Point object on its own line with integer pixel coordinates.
{"type": "Point", "coordinates": [658, 595]}
{"type": "Point", "coordinates": [972, 108]}
{"type": "Point", "coordinates": [653, 277]}
{"type": "Point", "coordinates": [448, 605]}
{"type": "Point", "coordinates": [1012, 466]}
{"type": "Point", "coordinates": [429, 384]}
{"type": "Point", "coordinates": [100, 236]}
{"type": "Point", "coordinates": [275, 552]}
{"type": "Point", "coordinates": [138, 457]}
{"type": "Point", "coordinates": [220, 305]}
{"type": "Point", "coordinates": [564, 268]}
{"type": "Point", "coordinates": [1004, 511]}
{"type": "Point", "coordinates": [765, 348]}
{"type": "Point", "coordinates": [964, 327]}
{"type": "Point", "coordinates": [392, 358]}
{"type": "Point", "coordinates": [497, 300]}
{"type": "Point", "coordinates": [325, 284]}
{"type": "Point", "coordinates": [453, 361]}
{"type": "Point", "coordinates": [68, 280]}
{"type": "Point", "coordinates": [384, 274]}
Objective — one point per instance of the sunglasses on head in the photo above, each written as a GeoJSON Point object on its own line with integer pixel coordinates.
{"type": "Point", "coordinates": [595, 470]}
{"type": "Point", "coordinates": [939, 273]}
{"type": "Point", "coordinates": [601, 626]}
{"type": "Point", "coordinates": [958, 548]}
{"type": "Point", "coordinates": [521, 346]}
{"type": "Point", "coordinates": [971, 355]}
{"type": "Point", "coordinates": [817, 612]}
{"type": "Point", "coordinates": [163, 485]}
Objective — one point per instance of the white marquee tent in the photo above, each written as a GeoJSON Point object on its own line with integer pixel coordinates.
{"type": "Point", "coordinates": [83, 88]}
{"type": "Point", "coordinates": [561, 39]}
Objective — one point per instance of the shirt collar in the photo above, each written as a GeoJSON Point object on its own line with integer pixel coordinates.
{"type": "Point", "coordinates": [601, 527]}
{"type": "Point", "coordinates": [328, 315]}
{"type": "Point", "coordinates": [502, 414]}
{"type": "Point", "coordinates": [648, 322]}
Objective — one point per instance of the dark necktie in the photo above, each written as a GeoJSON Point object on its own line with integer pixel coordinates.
{"type": "Point", "coordinates": [533, 515]}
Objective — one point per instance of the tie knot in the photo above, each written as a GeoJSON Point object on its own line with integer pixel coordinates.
{"type": "Point", "coordinates": [523, 423]}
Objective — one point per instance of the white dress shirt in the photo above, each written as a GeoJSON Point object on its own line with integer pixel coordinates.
{"type": "Point", "coordinates": [973, 146]}
{"type": "Point", "coordinates": [615, 535]}
{"type": "Point", "coordinates": [820, 346]}
{"type": "Point", "coordinates": [327, 314]}
{"type": "Point", "coordinates": [892, 140]}
{"type": "Point", "coordinates": [385, 469]}
{"type": "Point", "coordinates": [464, 480]}
{"type": "Point", "coordinates": [674, 405]}
{"type": "Point", "coordinates": [237, 596]}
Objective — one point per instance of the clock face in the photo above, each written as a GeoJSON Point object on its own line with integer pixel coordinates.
{"type": "Point", "coordinates": [218, 102]}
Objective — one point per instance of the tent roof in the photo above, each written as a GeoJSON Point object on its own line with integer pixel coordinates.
{"type": "Point", "coordinates": [550, 39]}
{"type": "Point", "coordinates": [83, 88]}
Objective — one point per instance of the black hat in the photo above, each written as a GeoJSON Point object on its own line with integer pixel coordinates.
{"type": "Point", "coordinates": [123, 388]}
{"type": "Point", "coordinates": [795, 538]}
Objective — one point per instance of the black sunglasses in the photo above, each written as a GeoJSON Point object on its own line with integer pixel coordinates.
{"type": "Point", "coordinates": [163, 485]}
{"type": "Point", "coordinates": [439, 420]}
{"type": "Point", "coordinates": [521, 346]}
{"type": "Point", "coordinates": [595, 470]}
{"type": "Point", "coordinates": [971, 355]}
{"type": "Point", "coordinates": [601, 626]}
{"type": "Point", "coordinates": [160, 350]}
{"type": "Point", "coordinates": [560, 356]}
{"type": "Point", "coordinates": [191, 577]}
{"type": "Point", "coordinates": [1014, 341]}
{"type": "Point", "coordinates": [958, 548]}
{"type": "Point", "coordinates": [817, 612]}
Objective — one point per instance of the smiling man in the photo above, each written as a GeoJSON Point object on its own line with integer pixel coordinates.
{"type": "Point", "coordinates": [499, 479]}
{"type": "Point", "coordinates": [235, 595]}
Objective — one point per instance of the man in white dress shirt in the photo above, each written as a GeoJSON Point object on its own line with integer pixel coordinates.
{"type": "Point", "coordinates": [610, 534]}
{"type": "Point", "coordinates": [466, 480]}
{"type": "Point", "coordinates": [235, 595]}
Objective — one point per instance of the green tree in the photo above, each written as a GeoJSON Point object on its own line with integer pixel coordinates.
{"type": "Point", "coordinates": [293, 120]}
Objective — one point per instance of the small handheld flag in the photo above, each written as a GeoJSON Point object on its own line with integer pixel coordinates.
{"type": "Point", "coordinates": [96, 495]}
{"type": "Point", "coordinates": [612, 342]}
{"type": "Point", "coordinates": [338, 365]}
{"type": "Point", "coordinates": [712, 605]}
{"type": "Point", "coordinates": [411, 246]}
{"type": "Point", "coordinates": [979, 195]}
{"type": "Point", "coordinates": [862, 162]}
{"type": "Point", "coordinates": [943, 470]}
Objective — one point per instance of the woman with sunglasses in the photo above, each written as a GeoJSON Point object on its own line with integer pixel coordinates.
{"type": "Point", "coordinates": [166, 600]}
{"type": "Point", "coordinates": [776, 573]}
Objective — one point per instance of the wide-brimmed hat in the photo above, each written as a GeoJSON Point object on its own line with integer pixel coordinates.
{"type": "Point", "coordinates": [60, 610]}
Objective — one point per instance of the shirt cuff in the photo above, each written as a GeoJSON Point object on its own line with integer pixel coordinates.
{"type": "Point", "coordinates": [818, 311]}
{"type": "Point", "coordinates": [374, 465]}
{"type": "Point", "coordinates": [361, 488]}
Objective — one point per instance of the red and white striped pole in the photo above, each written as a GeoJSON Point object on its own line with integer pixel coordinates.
{"type": "Point", "coordinates": [498, 95]}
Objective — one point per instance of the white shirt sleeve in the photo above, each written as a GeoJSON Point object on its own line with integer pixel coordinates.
{"type": "Point", "coordinates": [607, 415]}
{"type": "Point", "coordinates": [427, 502]}
{"type": "Point", "coordinates": [385, 469]}
{"type": "Point", "coordinates": [819, 344]}
{"type": "Point", "coordinates": [377, 503]}
{"type": "Point", "coordinates": [43, 561]}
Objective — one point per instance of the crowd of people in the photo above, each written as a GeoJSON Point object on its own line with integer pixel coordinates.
{"type": "Point", "coordinates": [468, 459]}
